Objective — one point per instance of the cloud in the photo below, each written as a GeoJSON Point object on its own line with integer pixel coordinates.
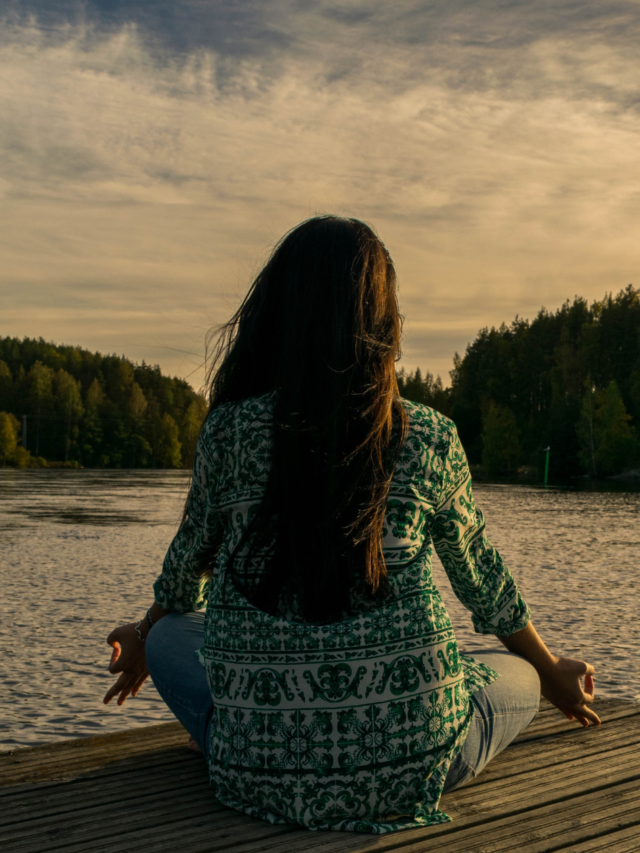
{"type": "Point", "coordinates": [146, 166]}
{"type": "Point", "coordinates": [252, 28]}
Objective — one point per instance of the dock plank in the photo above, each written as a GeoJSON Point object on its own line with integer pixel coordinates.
{"type": "Point", "coordinates": [70, 757]}
{"type": "Point", "coordinates": [192, 772]}
{"type": "Point", "coordinates": [558, 787]}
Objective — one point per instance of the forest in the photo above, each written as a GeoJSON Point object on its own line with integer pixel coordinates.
{"type": "Point", "coordinates": [567, 380]}
{"type": "Point", "coordinates": [66, 406]}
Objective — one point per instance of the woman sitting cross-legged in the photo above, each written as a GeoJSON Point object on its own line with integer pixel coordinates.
{"type": "Point", "coordinates": [297, 632]}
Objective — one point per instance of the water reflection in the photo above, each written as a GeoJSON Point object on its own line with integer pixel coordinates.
{"type": "Point", "coordinates": [80, 550]}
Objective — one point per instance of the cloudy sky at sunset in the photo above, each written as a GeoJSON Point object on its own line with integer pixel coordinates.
{"type": "Point", "coordinates": [152, 152]}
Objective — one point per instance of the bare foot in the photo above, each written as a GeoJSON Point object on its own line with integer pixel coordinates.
{"type": "Point", "coordinates": [194, 746]}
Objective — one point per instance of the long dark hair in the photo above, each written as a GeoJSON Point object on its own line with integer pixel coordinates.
{"type": "Point", "coordinates": [320, 327]}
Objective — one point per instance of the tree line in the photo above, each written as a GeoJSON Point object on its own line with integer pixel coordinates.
{"type": "Point", "coordinates": [65, 405]}
{"type": "Point", "coordinates": [568, 380]}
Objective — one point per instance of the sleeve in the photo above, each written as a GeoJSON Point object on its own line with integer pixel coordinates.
{"type": "Point", "coordinates": [477, 572]}
{"type": "Point", "coordinates": [179, 587]}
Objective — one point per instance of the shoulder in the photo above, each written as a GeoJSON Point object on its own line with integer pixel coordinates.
{"type": "Point", "coordinates": [428, 426]}
{"type": "Point", "coordinates": [228, 416]}
{"type": "Point", "coordinates": [424, 454]}
{"type": "Point", "coordinates": [225, 425]}
{"type": "Point", "coordinates": [433, 439]}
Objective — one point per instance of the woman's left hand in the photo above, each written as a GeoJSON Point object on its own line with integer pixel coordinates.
{"type": "Point", "coordinates": [129, 659]}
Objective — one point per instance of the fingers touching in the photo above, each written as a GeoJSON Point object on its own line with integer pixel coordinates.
{"type": "Point", "coordinates": [571, 688]}
{"type": "Point", "coordinates": [115, 655]}
{"type": "Point", "coordinates": [127, 659]}
{"type": "Point", "coordinates": [589, 688]}
{"type": "Point", "coordinates": [587, 717]}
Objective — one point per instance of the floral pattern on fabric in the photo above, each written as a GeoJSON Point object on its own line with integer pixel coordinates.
{"type": "Point", "coordinates": [350, 725]}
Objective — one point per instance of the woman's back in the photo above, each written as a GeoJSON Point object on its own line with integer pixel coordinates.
{"type": "Point", "coordinates": [333, 693]}
{"type": "Point", "coordinates": [353, 723]}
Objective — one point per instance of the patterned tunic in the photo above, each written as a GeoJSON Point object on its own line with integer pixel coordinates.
{"type": "Point", "coordinates": [350, 725]}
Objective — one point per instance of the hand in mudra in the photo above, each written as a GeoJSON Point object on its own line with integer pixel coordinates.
{"type": "Point", "coordinates": [129, 659]}
{"type": "Point", "coordinates": [561, 685]}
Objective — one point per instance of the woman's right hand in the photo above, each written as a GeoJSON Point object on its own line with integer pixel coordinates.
{"type": "Point", "coordinates": [560, 683]}
{"type": "Point", "coordinates": [128, 658]}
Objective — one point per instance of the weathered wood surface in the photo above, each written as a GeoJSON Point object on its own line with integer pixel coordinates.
{"type": "Point", "coordinates": [558, 787]}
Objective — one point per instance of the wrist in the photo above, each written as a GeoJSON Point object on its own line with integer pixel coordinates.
{"type": "Point", "coordinates": [155, 613]}
{"type": "Point", "coordinates": [547, 666]}
{"type": "Point", "coordinates": [528, 644]}
{"type": "Point", "coordinates": [142, 629]}
{"type": "Point", "coordinates": [144, 625]}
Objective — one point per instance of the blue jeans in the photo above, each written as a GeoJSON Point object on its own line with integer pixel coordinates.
{"type": "Point", "coordinates": [502, 710]}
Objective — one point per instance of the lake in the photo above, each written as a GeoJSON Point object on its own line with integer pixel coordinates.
{"type": "Point", "coordinates": [79, 551]}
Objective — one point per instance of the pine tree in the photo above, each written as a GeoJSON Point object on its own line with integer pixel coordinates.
{"type": "Point", "coordinates": [6, 387]}
{"type": "Point", "coordinates": [69, 409]}
{"type": "Point", "coordinates": [501, 449]}
{"type": "Point", "coordinates": [9, 431]}
{"type": "Point", "coordinates": [40, 396]}
{"type": "Point", "coordinates": [167, 450]}
{"type": "Point", "coordinates": [608, 443]}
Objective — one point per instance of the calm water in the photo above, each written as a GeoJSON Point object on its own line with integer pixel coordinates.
{"type": "Point", "coordinates": [79, 551]}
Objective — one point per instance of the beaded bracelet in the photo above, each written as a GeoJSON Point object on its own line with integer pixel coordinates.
{"type": "Point", "coordinates": [139, 632]}
{"type": "Point", "coordinates": [150, 622]}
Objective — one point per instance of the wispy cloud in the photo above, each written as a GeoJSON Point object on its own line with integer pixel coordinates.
{"type": "Point", "coordinates": [150, 157]}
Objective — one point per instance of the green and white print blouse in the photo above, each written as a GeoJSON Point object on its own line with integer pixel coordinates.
{"type": "Point", "coordinates": [350, 725]}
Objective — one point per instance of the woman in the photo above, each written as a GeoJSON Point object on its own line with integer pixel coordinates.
{"type": "Point", "coordinates": [323, 682]}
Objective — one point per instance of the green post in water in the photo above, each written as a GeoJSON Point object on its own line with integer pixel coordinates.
{"type": "Point", "coordinates": [546, 467]}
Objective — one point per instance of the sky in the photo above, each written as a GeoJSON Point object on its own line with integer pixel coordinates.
{"type": "Point", "coordinates": [151, 153]}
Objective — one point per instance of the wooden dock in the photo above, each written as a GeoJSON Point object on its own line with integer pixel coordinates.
{"type": "Point", "coordinates": [558, 787]}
